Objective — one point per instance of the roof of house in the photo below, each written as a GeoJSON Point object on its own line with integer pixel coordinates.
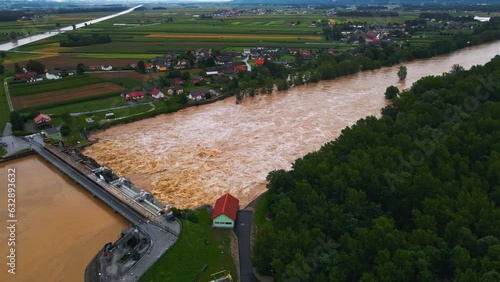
{"type": "Point", "coordinates": [52, 130]}
{"type": "Point", "coordinates": [42, 117]}
{"type": "Point", "coordinates": [227, 205]}
{"type": "Point", "coordinates": [25, 74]}
{"type": "Point", "coordinates": [135, 94]}
{"type": "Point", "coordinates": [199, 92]}
{"type": "Point", "coordinates": [259, 61]}
{"type": "Point", "coordinates": [155, 91]}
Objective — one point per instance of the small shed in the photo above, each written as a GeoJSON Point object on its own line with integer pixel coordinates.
{"type": "Point", "coordinates": [225, 210]}
{"type": "Point", "coordinates": [53, 133]}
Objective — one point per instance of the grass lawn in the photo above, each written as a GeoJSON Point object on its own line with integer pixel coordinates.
{"type": "Point", "coordinates": [2, 151]}
{"type": "Point", "coordinates": [93, 105]}
{"type": "Point", "coordinates": [261, 210]}
{"type": "Point", "coordinates": [190, 254]}
{"type": "Point", "coordinates": [4, 108]}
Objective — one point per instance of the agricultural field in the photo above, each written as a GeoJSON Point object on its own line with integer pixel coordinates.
{"type": "Point", "coordinates": [148, 32]}
{"type": "Point", "coordinates": [45, 23]}
{"type": "Point", "coordinates": [64, 95]}
{"type": "Point", "coordinates": [54, 60]}
{"type": "Point", "coordinates": [23, 88]}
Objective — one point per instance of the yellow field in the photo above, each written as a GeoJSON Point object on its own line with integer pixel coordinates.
{"type": "Point", "coordinates": [231, 36]}
{"type": "Point", "coordinates": [53, 48]}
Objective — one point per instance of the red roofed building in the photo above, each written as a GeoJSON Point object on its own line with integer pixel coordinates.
{"type": "Point", "coordinates": [157, 94]}
{"type": "Point", "coordinates": [259, 62]}
{"type": "Point", "coordinates": [240, 68]}
{"type": "Point", "coordinates": [135, 95]}
{"type": "Point", "coordinates": [25, 75]}
{"type": "Point", "coordinates": [43, 121]}
{"type": "Point", "coordinates": [225, 210]}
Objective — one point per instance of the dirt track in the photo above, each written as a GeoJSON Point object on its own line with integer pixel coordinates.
{"type": "Point", "coordinates": [21, 102]}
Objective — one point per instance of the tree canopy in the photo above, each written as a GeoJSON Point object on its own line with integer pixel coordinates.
{"type": "Point", "coordinates": [411, 196]}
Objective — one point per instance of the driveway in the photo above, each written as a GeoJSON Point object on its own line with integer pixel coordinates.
{"type": "Point", "coordinates": [13, 145]}
{"type": "Point", "coordinates": [242, 229]}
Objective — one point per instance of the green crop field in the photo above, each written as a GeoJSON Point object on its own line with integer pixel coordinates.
{"type": "Point", "coordinates": [92, 105]}
{"type": "Point", "coordinates": [21, 89]}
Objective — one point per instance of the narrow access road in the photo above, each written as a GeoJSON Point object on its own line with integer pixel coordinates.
{"type": "Point", "coordinates": [249, 67]}
{"type": "Point", "coordinates": [7, 94]}
{"type": "Point", "coordinates": [30, 39]}
{"type": "Point", "coordinates": [242, 229]}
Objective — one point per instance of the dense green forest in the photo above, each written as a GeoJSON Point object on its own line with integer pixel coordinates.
{"type": "Point", "coordinates": [411, 196]}
{"type": "Point", "coordinates": [84, 40]}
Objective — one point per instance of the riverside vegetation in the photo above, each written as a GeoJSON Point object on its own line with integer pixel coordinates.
{"type": "Point", "coordinates": [411, 196]}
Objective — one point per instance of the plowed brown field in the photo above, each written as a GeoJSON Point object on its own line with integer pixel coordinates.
{"type": "Point", "coordinates": [21, 102]}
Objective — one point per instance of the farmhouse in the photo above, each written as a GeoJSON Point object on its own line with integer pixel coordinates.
{"type": "Point", "coordinates": [198, 95]}
{"type": "Point", "coordinates": [35, 79]}
{"type": "Point", "coordinates": [197, 79]}
{"type": "Point", "coordinates": [106, 67]}
{"type": "Point", "coordinates": [25, 75]}
{"type": "Point", "coordinates": [176, 89]}
{"type": "Point", "coordinates": [52, 75]}
{"type": "Point", "coordinates": [134, 95]}
{"type": "Point", "coordinates": [225, 210]}
{"type": "Point", "coordinates": [157, 94]}
{"type": "Point", "coordinates": [42, 121]}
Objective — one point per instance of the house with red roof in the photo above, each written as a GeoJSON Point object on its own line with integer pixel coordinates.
{"type": "Point", "coordinates": [134, 95]}
{"type": "Point", "coordinates": [25, 75]}
{"type": "Point", "coordinates": [157, 94]}
{"type": "Point", "coordinates": [225, 211]}
{"type": "Point", "coordinates": [43, 121]}
{"type": "Point", "coordinates": [259, 62]}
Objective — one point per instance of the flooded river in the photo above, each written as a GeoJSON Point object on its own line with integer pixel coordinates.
{"type": "Point", "coordinates": [60, 226]}
{"type": "Point", "coordinates": [193, 156]}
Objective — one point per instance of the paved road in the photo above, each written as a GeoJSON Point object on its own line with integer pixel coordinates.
{"type": "Point", "coordinates": [50, 33]}
{"type": "Point", "coordinates": [249, 67]}
{"type": "Point", "coordinates": [243, 229]}
{"type": "Point", "coordinates": [109, 109]}
{"type": "Point", "coordinates": [7, 94]}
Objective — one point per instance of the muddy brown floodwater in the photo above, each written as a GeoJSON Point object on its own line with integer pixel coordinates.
{"type": "Point", "coordinates": [60, 226]}
{"type": "Point", "coordinates": [193, 156]}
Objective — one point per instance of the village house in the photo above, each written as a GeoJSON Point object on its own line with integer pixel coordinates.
{"type": "Point", "coordinates": [197, 79]}
{"type": "Point", "coordinates": [52, 133]}
{"type": "Point", "coordinates": [225, 212]}
{"type": "Point", "coordinates": [198, 94]}
{"type": "Point", "coordinates": [43, 121]}
{"type": "Point", "coordinates": [106, 67]}
{"type": "Point", "coordinates": [157, 94]}
{"type": "Point", "coordinates": [52, 75]}
{"type": "Point", "coordinates": [35, 79]}
{"type": "Point", "coordinates": [25, 75]}
{"type": "Point", "coordinates": [175, 90]}
{"type": "Point", "coordinates": [134, 95]}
